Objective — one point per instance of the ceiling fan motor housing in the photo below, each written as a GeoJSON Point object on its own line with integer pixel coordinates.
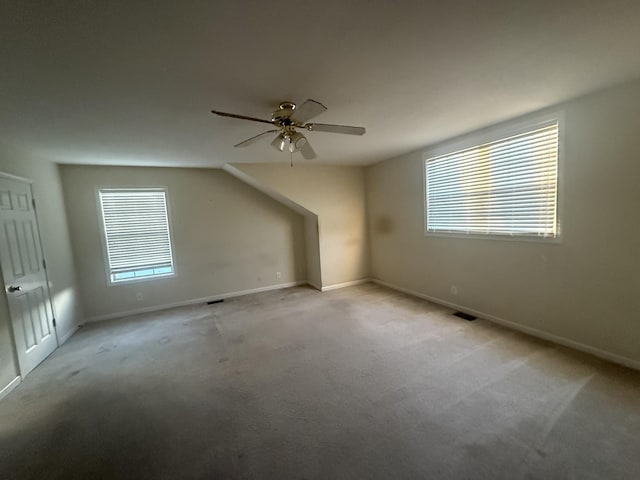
{"type": "Point", "coordinates": [283, 115]}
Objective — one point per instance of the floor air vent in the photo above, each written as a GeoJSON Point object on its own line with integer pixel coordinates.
{"type": "Point", "coordinates": [466, 316]}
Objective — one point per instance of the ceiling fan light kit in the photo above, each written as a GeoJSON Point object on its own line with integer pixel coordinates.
{"type": "Point", "coordinates": [298, 141]}
{"type": "Point", "coordinates": [287, 119]}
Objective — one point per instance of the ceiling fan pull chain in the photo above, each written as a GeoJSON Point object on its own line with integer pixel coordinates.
{"type": "Point", "coordinates": [291, 156]}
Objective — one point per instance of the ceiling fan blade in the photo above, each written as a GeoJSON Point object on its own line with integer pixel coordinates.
{"type": "Point", "coordinates": [279, 142]}
{"type": "Point", "coordinates": [251, 140]}
{"type": "Point", "coordinates": [308, 110]}
{"type": "Point", "coordinates": [241, 117]}
{"type": "Point", "coordinates": [307, 152]}
{"type": "Point", "coordinates": [325, 127]}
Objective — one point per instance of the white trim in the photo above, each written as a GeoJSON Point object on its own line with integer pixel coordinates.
{"type": "Point", "coordinates": [16, 177]}
{"type": "Point", "coordinates": [612, 357]}
{"type": "Point", "coordinates": [68, 335]}
{"type": "Point", "coordinates": [44, 265]}
{"type": "Point", "coordinates": [494, 132]}
{"type": "Point", "coordinates": [345, 284]}
{"type": "Point", "coordinates": [222, 296]}
{"type": "Point", "coordinates": [10, 386]}
{"type": "Point", "coordinates": [103, 231]}
{"type": "Point", "coordinates": [490, 134]}
{"type": "Point", "coordinates": [22, 368]}
{"type": "Point", "coordinates": [311, 284]}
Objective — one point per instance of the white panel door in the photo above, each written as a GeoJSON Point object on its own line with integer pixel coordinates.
{"type": "Point", "coordinates": [24, 276]}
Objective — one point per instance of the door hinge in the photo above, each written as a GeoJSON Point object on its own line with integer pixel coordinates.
{"type": "Point", "coordinates": [54, 321]}
{"type": "Point", "coordinates": [33, 202]}
{"type": "Point", "coordinates": [44, 264]}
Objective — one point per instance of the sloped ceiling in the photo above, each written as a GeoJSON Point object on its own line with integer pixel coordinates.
{"type": "Point", "coordinates": [132, 82]}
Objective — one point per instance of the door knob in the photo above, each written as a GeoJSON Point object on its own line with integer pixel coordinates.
{"type": "Point", "coordinates": [14, 288]}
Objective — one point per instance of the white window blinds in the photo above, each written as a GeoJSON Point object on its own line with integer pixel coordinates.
{"type": "Point", "coordinates": [136, 230]}
{"type": "Point", "coordinates": [506, 187]}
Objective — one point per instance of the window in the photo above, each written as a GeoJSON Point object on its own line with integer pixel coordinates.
{"type": "Point", "coordinates": [136, 234]}
{"type": "Point", "coordinates": [506, 187]}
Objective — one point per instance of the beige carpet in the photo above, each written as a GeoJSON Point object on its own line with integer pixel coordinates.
{"type": "Point", "coordinates": [358, 383]}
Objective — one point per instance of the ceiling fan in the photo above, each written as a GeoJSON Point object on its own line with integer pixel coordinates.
{"type": "Point", "coordinates": [288, 119]}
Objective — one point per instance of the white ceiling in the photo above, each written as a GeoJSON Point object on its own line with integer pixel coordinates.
{"type": "Point", "coordinates": [131, 82]}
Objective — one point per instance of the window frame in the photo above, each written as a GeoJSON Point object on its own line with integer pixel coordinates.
{"type": "Point", "coordinates": [493, 134]}
{"type": "Point", "coordinates": [103, 235]}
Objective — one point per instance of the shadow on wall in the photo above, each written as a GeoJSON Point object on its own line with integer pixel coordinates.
{"type": "Point", "coordinates": [383, 225]}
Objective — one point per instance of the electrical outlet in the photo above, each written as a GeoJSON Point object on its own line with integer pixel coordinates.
{"type": "Point", "coordinates": [278, 275]}
{"type": "Point", "coordinates": [139, 296]}
{"type": "Point", "coordinates": [454, 290]}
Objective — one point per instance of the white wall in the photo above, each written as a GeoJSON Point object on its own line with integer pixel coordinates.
{"type": "Point", "coordinates": [586, 288]}
{"type": "Point", "coordinates": [312, 242]}
{"type": "Point", "coordinates": [52, 222]}
{"type": "Point", "coordinates": [337, 196]}
{"type": "Point", "coordinates": [228, 237]}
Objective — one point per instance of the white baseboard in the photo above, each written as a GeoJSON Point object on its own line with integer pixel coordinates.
{"type": "Point", "coordinates": [184, 303]}
{"type": "Point", "coordinates": [10, 386]}
{"type": "Point", "coordinates": [68, 335]}
{"type": "Point", "coordinates": [612, 357]}
{"type": "Point", "coordinates": [317, 287]}
{"type": "Point", "coordinates": [345, 284]}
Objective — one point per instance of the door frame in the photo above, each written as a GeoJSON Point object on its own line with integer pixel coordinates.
{"type": "Point", "coordinates": [29, 182]}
